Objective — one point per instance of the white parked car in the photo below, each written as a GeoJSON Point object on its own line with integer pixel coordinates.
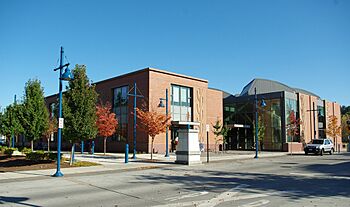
{"type": "Point", "coordinates": [319, 146]}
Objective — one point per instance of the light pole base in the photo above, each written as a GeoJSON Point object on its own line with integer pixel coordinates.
{"type": "Point", "coordinates": [58, 174]}
{"type": "Point", "coordinates": [166, 155]}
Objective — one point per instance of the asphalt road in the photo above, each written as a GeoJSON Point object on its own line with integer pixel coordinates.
{"type": "Point", "coordinates": [296, 180]}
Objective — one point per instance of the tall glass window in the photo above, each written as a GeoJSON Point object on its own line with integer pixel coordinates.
{"type": "Point", "coordinates": [181, 103]}
{"type": "Point", "coordinates": [272, 118]}
{"type": "Point", "coordinates": [120, 108]}
{"type": "Point", "coordinates": [290, 106]}
{"type": "Point", "coordinates": [240, 118]}
{"type": "Point", "coordinates": [52, 110]}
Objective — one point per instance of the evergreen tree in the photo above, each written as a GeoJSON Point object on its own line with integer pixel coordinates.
{"type": "Point", "coordinates": [261, 132]}
{"type": "Point", "coordinates": [79, 108]}
{"type": "Point", "coordinates": [34, 115]}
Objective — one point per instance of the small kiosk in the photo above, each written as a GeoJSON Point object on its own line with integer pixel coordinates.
{"type": "Point", "coordinates": [187, 150]}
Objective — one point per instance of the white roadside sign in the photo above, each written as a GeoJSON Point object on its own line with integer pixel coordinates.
{"type": "Point", "coordinates": [60, 123]}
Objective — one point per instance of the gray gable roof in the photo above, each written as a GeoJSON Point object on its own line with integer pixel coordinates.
{"type": "Point", "coordinates": [270, 86]}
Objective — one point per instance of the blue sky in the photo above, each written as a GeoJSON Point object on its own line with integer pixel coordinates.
{"type": "Point", "coordinates": [302, 43]}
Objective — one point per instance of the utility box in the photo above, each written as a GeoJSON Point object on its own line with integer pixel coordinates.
{"type": "Point", "coordinates": [187, 150]}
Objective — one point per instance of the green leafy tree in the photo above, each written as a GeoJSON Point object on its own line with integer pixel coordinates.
{"type": "Point", "coordinates": [345, 119]}
{"type": "Point", "coordinates": [261, 131]}
{"type": "Point", "coordinates": [79, 108]}
{"type": "Point", "coordinates": [35, 115]}
{"type": "Point", "coordinates": [345, 110]}
{"type": "Point", "coordinates": [220, 133]}
{"type": "Point", "coordinates": [224, 133]}
{"type": "Point", "coordinates": [11, 121]}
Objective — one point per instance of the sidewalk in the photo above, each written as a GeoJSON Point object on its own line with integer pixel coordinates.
{"type": "Point", "coordinates": [114, 162]}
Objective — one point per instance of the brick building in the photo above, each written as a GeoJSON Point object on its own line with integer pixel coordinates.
{"type": "Point", "coordinates": [280, 101]}
{"type": "Point", "coordinates": [190, 99]}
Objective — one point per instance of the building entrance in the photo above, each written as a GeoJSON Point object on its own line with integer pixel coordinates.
{"type": "Point", "coordinates": [240, 137]}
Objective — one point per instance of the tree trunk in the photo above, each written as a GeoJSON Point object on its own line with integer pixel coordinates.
{"type": "Point", "coordinates": [32, 145]}
{"type": "Point", "coordinates": [48, 144]}
{"type": "Point", "coordinates": [291, 146]}
{"type": "Point", "coordinates": [104, 145]}
{"type": "Point", "coordinates": [152, 148]}
{"type": "Point", "coordinates": [72, 155]}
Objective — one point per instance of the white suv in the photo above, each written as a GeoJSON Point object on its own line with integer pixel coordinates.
{"type": "Point", "coordinates": [319, 146]}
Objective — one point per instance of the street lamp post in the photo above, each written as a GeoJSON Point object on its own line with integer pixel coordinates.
{"type": "Point", "coordinates": [135, 116]}
{"type": "Point", "coordinates": [166, 99]}
{"type": "Point", "coordinates": [65, 76]}
{"type": "Point", "coordinates": [313, 110]}
{"type": "Point", "coordinates": [256, 125]}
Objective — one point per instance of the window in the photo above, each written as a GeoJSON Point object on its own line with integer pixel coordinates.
{"type": "Point", "coordinates": [291, 106]}
{"type": "Point", "coordinates": [52, 110]}
{"type": "Point", "coordinates": [181, 103]}
{"type": "Point", "coordinates": [120, 108]}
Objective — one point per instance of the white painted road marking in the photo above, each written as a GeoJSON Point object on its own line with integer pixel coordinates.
{"type": "Point", "coordinates": [256, 203]}
{"type": "Point", "coordinates": [319, 176]}
{"type": "Point", "coordinates": [187, 196]}
{"type": "Point", "coordinates": [223, 197]}
{"type": "Point", "coordinates": [230, 195]}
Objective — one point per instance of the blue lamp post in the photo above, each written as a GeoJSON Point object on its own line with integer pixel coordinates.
{"type": "Point", "coordinates": [67, 75]}
{"type": "Point", "coordinates": [263, 104]}
{"type": "Point", "coordinates": [161, 104]}
{"type": "Point", "coordinates": [135, 116]}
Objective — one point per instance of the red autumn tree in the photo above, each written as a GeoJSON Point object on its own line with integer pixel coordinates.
{"type": "Point", "coordinates": [293, 126]}
{"type": "Point", "coordinates": [50, 131]}
{"type": "Point", "coordinates": [106, 122]}
{"type": "Point", "coordinates": [333, 128]}
{"type": "Point", "coordinates": [153, 123]}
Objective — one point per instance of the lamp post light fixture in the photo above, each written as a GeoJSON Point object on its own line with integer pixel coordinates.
{"type": "Point", "coordinates": [263, 104]}
{"type": "Point", "coordinates": [67, 75]}
{"type": "Point", "coordinates": [161, 104]}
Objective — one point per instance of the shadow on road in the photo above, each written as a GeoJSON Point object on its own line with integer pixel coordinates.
{"type": "Point", "coordinates": [289, 185]}
{"type": "Point", "coordinates": [342, 168]}
{"type": "Point", "coordinates": [15, 200]}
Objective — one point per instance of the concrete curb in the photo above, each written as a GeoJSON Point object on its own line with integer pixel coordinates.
{"type": "Point", "coordinates": [119, 167]}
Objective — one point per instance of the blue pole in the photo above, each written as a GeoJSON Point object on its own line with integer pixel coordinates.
{"type": "Point", "coordinates": [13, 139]}
{"type": "Point", "coordinates": [73, 152]}
{"type": "Point", "coordinates": [12, 132]}
{"type": "Point", "coordinates": [93, 147]}
{"type": "Point", "coordinates": [134, 156]}
{"type": "Point", "coordinates": [82, 147]}
{"type": "Point", "coordinates": [126, 153]}
{"type": "Point", "coordinates": [59, 131]}
{"type": "Point", "coordinates": [256, 125]}
{"type": "Point", "coordinates": [166, 132]}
